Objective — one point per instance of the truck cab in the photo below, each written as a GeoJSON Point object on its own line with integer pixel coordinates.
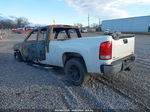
{"type": "Point", "coordinates": [36, 45]}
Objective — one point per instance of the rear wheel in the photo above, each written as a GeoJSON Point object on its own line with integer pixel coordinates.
{"type": "Point", "coordinates": [75, 71]}
{"type": "Point", "coordinates": [18, 56]}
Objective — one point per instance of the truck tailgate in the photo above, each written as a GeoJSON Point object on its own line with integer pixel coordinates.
{"type": "Point", "coordinates": [122, 47]}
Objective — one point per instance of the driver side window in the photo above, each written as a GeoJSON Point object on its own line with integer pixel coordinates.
{"type": "Point", "coordinates": [32, 36]}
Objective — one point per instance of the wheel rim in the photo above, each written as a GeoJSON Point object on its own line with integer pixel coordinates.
{"type": "Point", "coordinates": [16, 55]}
{"type": "Point", "coordinates": [74, 73]}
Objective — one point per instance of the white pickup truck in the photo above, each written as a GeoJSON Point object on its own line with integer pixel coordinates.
{"type": "Point", "coordinates": [63, 46]}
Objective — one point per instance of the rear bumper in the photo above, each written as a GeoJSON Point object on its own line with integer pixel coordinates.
{"type": "Point", "coordinates": [118, 66]}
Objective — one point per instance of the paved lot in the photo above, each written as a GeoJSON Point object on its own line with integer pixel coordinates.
{"type": "Point", "coordinates": [24, 86]}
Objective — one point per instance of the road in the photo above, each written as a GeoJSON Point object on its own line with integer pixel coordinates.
{"type": "Point", "coordinates": [24, 86]}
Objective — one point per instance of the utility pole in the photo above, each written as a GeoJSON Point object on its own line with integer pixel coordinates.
{"type": "Point", "coordinates": [54, 22]}
{"type": "Point", "coordinates": [99, 24]}
{"type": "Point", "coordinates": [99, 21]}
{"type": "Point", "coordinates": [88, 21]}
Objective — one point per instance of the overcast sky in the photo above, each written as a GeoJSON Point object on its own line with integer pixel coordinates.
{"type": "Point", "coordinates": [73, 11]}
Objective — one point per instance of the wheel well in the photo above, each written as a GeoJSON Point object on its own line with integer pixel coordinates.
{"type": "Point", "coordinates": [67, 56]}
{"type": "Point", "coordinates": [17, 50]}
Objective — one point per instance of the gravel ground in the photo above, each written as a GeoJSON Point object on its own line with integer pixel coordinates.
{"type": "Point", "coordinates": [25, 86]}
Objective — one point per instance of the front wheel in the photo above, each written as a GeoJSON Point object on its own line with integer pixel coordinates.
{"type": "Point", "coordinates": [75, 71]}
{"type": "Point", "coordinates": [18, 56]}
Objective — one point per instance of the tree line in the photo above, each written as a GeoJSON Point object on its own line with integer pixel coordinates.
{"type": "Point", "coordinates": [18, 22]}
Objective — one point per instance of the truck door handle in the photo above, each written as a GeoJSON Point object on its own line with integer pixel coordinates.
{"type": "Point", "coordinates": [125, 41]}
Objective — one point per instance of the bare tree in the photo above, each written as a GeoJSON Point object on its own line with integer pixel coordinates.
{"type": "Point", "coordinates": [21, 22]}
{"type": "Point", "coordinates": [7, 24]}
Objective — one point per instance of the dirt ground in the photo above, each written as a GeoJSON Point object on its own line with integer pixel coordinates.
{"type": "Point", "coordinates": [25, 86]}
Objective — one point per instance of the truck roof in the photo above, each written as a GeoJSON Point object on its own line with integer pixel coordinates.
{"type": "Point", "coordinates": [61, 26]}
{"type": "Point", "coordinates": [64, 26]}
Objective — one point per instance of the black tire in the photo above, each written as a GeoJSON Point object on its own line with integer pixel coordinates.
{"type": "Point", "coordinates": [18, 56]}
{"type": "Point", "coordinates": [76, 72]}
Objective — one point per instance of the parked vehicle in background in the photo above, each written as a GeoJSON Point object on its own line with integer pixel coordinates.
{"type": "Point", "coordinates": [79, 56]}
{"type": "Point", "coordinates": [84, 30]}
{"type": "Point", "coordinates": [24, 30]}
{"type": "Point", "coordinates": [17, 30]}
{"type": "Point", "coordinates": [108, 32]}
{"type": "Point", "coordinates": [72, 31]}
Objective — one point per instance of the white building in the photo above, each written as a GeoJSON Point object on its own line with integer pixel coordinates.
{"type": "Point", "coordinates": [133, 24]}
